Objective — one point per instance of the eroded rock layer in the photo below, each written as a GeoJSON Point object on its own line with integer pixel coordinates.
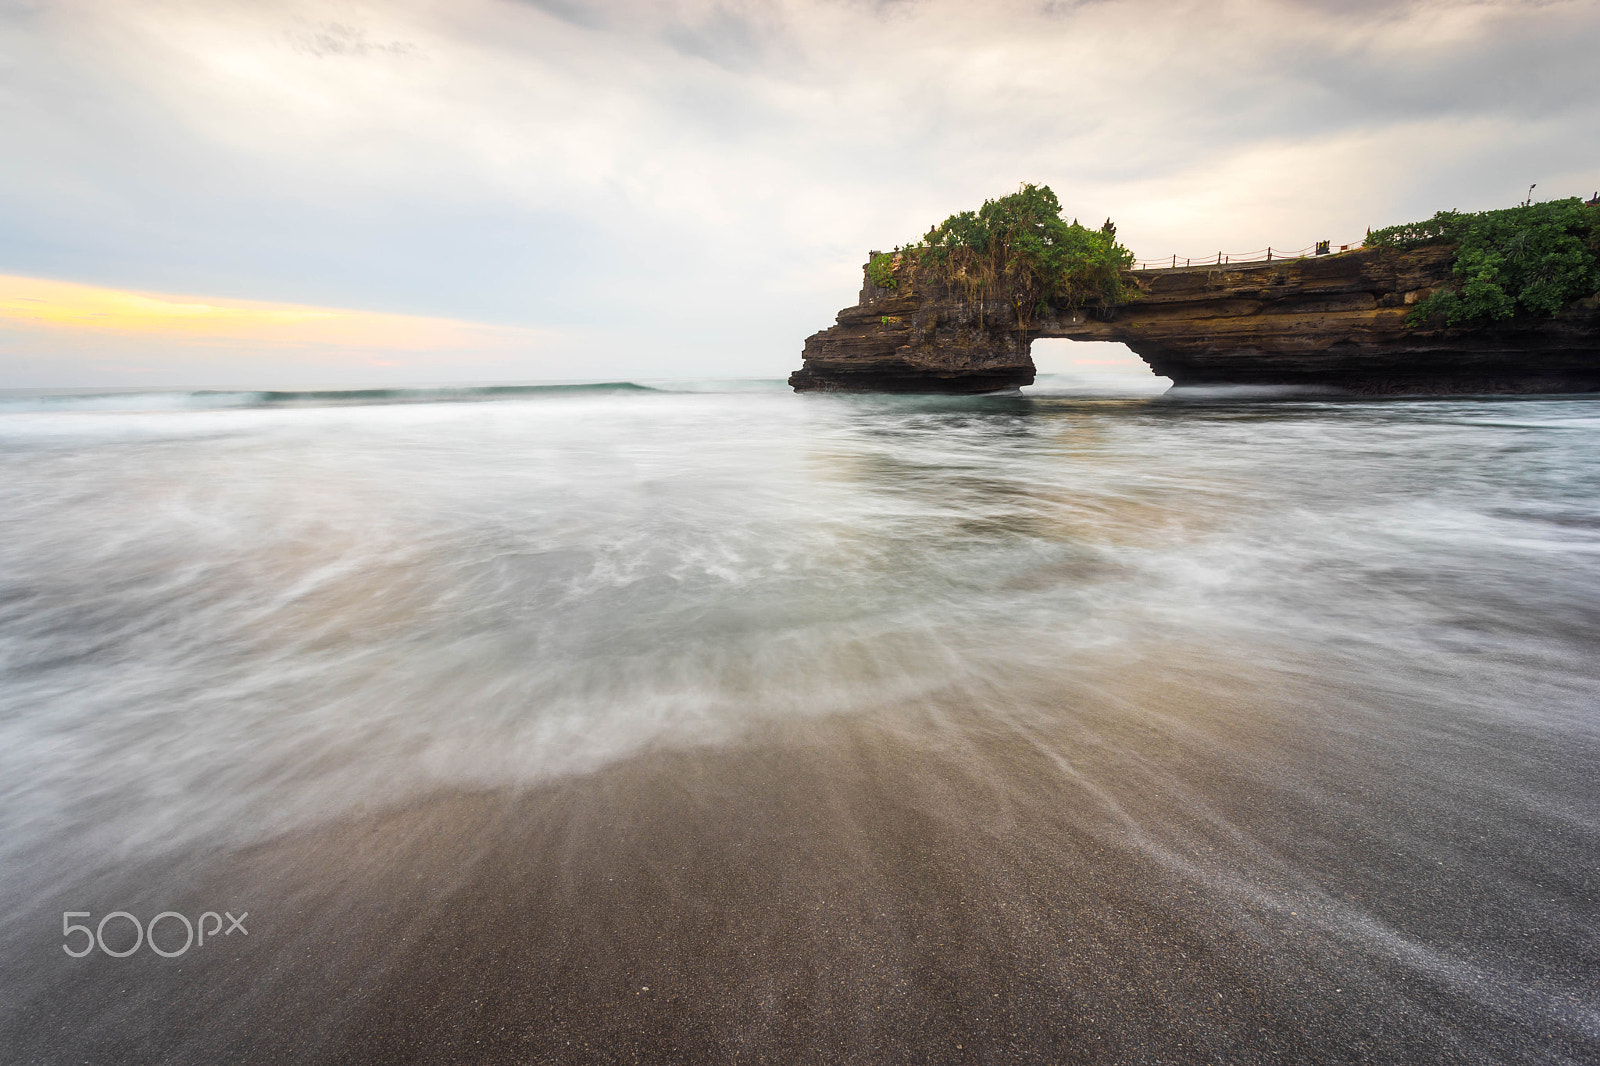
{"type": "Point", "coordinates": [1334, 322]}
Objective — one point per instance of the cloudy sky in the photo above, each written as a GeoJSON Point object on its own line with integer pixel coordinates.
{"type": "Point", "coordinates": [271, 193]}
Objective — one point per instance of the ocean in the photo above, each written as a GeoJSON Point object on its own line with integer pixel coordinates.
{"type": "Point", "coordinates": [707, 722]}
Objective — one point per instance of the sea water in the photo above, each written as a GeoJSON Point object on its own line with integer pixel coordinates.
{"type": "Point", "coordinates": [224, 616]}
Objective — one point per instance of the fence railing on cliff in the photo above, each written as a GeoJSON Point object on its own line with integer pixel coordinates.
{"type": "Point", "coordinates": [1260, 255]}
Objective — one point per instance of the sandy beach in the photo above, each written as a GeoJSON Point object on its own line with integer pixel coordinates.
{"type": "Point", "coordinates": [1126, 874]}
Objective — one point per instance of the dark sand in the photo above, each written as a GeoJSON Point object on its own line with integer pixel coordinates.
{"type": "Point", "coordinates": [1278, 874]}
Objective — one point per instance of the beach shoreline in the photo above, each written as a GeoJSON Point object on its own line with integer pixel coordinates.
{"type": "Point", "coordinates": [1115, 874]}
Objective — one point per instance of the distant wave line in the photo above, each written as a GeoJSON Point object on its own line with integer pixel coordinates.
{"type": "Point", "coordinates": [236, 398]}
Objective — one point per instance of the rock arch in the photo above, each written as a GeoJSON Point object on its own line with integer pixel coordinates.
{"type": "Point", "coordinates": [1334, 321]}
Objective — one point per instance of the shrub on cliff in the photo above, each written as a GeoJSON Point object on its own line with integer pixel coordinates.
{"type": "Point", "coordinates": [881, 270]}
{"type": "Point", "coordinates": [1533, 259]}
{"type": "Point", "coordinates": [1019, 248]}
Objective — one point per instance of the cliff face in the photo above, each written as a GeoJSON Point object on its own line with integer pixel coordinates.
{"type": "Point", "coordinates": [1335, 321]}
{"type": "Point", "coordinates": [910, 340]}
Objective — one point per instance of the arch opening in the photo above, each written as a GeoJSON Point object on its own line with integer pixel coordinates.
{"type": "Point", "coordinates": [1108, 367]}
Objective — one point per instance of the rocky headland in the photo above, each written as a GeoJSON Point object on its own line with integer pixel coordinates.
{"type": "Point", "coordinates": [1328, 322]}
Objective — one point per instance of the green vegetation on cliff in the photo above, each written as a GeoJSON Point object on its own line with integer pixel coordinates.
{"type": "Point", "coordinates": [1534, 259]}
{"type": "Point", "coordinates": [1019, 249]}
{"type": "Point", "coordinates": [881, 270]}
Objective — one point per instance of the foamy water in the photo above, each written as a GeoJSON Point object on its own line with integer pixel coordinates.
{"type": "Point", "coordinates": [220, 622]}
{"type": "Point", "coordinates": [224, 616]}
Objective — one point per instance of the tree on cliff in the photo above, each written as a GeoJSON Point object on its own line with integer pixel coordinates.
{"type": "Point", "coordinates": [1531, 259]}
{"type": "Point", "coordinates": [1019, 249]}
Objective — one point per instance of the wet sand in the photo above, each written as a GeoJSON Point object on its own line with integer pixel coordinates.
{"type": "Point", "coordinates": [1118, 871]}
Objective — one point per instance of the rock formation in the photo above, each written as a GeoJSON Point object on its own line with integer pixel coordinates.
{"type": "Point", "coordinates": [1335, 321]}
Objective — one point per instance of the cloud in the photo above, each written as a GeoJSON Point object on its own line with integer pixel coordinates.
{"type": "Point", "coordinates": [695, 182]}
{"type": "Point", "coordinates": [334, 39]}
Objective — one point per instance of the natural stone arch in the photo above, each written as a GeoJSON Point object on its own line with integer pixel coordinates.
{"type": "Point", "coordinates": [1332, 321]}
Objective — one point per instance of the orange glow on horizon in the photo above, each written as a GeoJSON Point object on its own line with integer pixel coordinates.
{"type": "Point", "coordinates": [41, 304]}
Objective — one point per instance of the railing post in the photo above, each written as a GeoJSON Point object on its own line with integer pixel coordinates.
{"type": "Point", "coordinates": [1269, 253]}
{"type": "Point", "coordinates": [1174, 260]}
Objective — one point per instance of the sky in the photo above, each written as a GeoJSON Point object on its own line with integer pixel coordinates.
{"type": "Point", "coordinates": [275, 193]}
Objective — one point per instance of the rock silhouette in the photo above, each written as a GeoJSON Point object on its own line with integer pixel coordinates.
{"type": "Point", "coordinates": [1326, 322]}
